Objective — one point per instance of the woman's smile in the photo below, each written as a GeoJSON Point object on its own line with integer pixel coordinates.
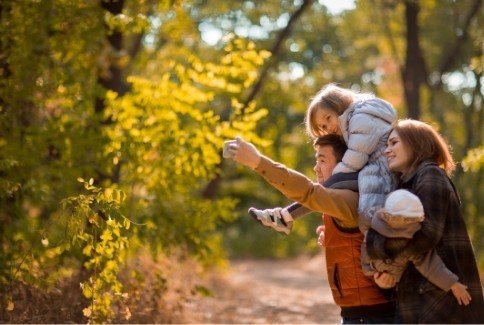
{"type": "Point", "coordinates": [398, 155]}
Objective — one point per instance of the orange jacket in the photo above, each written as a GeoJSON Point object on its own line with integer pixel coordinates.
{"type": "Point", "coordinates": [350, 287]}
{"type": "Point", "coordinates": [358, 296]}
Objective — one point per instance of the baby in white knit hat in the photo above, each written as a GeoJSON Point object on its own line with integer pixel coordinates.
{"type": "Point", "coordinates": [398, 221]}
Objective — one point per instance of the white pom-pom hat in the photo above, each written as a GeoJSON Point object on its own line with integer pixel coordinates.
{"type": "Point", "coordinates": [401, 215]}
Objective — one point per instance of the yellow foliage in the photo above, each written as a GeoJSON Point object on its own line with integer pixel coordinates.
{"type": "Point", "coordinates": [10, 305]}
{"type": "Point", "coordinates": [474, 160]}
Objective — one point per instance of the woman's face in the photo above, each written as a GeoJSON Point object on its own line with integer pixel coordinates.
{"type": "Point", "coordinates": [398, 155]}
{"type": "Point", "coordinates": [327, 121]}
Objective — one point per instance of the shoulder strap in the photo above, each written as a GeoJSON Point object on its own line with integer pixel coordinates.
{"type": "Point", "coordinates": [344, 229]}
{"type": "Point", "coordinates": [346, 181]}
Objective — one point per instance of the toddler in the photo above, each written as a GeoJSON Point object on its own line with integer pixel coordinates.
{"type": "Point", "coordinates": [398, 220]}
{"type": "Point", "coordinates": [364, 121]}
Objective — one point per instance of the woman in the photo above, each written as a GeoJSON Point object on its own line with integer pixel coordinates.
{"type": "Point", "coordinates": [422, 160]}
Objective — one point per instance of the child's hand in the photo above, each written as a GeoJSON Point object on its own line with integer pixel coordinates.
{"type": "Point", "coordinates": [384, 280]}
{"type": "Point", "coordinates": [320, 231]}
{"type": "Point", "coordinates": [461, 294]}
{"type": "Point", "coordinates": [243, 152]}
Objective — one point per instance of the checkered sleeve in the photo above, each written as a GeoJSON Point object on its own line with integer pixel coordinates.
{"type": "Point", "coordinates": [434, 193]}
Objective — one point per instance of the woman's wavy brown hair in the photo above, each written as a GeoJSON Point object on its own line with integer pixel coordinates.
{"type": "Point", "coordinates": [425, 143]}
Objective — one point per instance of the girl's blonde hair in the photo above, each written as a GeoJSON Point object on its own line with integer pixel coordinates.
{"type": "Point", "coordinates": [424, 143]}
{"type": "Point", "coordinates": [331, 97]}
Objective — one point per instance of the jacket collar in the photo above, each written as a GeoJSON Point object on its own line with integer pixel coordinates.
{"type": "Point", "coordinates": [422, 165]}
{"type": "Point", "coordinates": [408, 181]}
{"type": "Point", "coordinates": [343, 121]}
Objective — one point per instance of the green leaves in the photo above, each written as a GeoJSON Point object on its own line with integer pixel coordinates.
{"type": "Point", "coordinates": [7, 187]}
{"type": "Point", "coordinates": [101, 232]}
{"type": "Point", "coordinates": [83, 170]}
{"type": "Point", "coordinates": [124, 22]}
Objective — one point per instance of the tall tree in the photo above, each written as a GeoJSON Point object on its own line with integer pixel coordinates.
{"type": "Point", "coordinates": [212, 187]}
{"type": "Point", "coordinates": [414, 70]}
{"type": "Point", "coordinates": [75, 114]}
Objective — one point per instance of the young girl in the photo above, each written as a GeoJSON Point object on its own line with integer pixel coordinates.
{"type": "Point", "coordinates": [364, 121]}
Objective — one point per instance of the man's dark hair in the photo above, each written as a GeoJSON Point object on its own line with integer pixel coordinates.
{"type": "Point", "coordinates": [334, 141]}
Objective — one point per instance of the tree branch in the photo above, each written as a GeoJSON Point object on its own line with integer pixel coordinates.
{"type": "Point", "coordinates": [385, 26]}
{"type": "Point", "coordinates": [211, 189]}
{"type": "Point", "coordinates": [275, 50]}
{"type": "Point", "coordinates": [449, 60]}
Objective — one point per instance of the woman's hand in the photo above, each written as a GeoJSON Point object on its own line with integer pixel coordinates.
{"type": "Point", "coordinates": [243, 152]}
{"type": "Point", "coordinates": [384, 280]}
{"type": "Point", "coordinates": [320, 231]}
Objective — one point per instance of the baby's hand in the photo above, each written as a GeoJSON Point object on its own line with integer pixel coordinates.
{"type": "Point", "coordinates": [461, 294]}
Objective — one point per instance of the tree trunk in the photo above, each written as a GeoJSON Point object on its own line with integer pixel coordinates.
{"type": "Point", "coordinates": [113, 78]}
{"type": "Point", "coordinates": [4, 67]}
{"type": "Point", "coordinates": [414, 67]}
{"type": "Point", "coordinates": [473, 117]}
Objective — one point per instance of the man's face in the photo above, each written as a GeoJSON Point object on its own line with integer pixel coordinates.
{"type": "Point", "coordinates": [325, 163]}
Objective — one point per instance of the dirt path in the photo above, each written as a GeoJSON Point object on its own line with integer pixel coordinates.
{"type": "Point", "coordinates": [267, 291]}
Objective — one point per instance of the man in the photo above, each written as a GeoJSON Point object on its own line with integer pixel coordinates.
{"type": "Point", "coordinates": [360, 299]}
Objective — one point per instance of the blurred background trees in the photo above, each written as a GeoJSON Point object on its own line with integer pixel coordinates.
{"type": "Point", "coordinates": [113, 115]}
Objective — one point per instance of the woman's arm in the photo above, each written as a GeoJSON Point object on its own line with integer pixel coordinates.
{"type": "Point", "coordinates": [433, 190]}
{"type": "Point", "coordinates": [433, 269]}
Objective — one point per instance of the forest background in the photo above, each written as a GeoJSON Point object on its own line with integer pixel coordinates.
{"type": "Point", "coordinates": [113, 115]}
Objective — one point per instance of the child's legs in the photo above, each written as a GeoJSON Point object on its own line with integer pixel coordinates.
{"type": "Point", "coordinates": [374, 182]}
